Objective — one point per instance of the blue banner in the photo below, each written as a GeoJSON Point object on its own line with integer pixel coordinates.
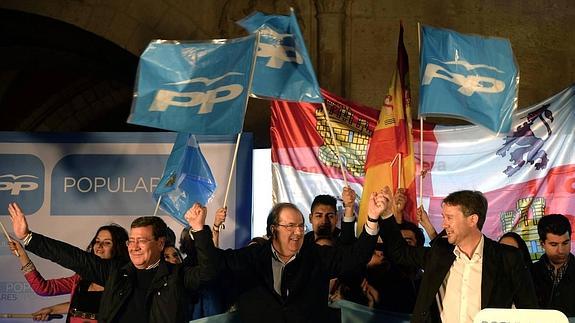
{"type": "Point", "coordinates": [22, 181]}
{"type": "Point", "coordinates": [283, 68]}
{"type": "Point", "coordinates": [199, 88]}
{"type": "Point", "coordinates": [187, 179]}
{"type": "Point", "coordinates": [469, 77]}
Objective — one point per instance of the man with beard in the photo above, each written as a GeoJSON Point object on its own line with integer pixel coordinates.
{"type": "Point", "coordinates": [554, 273]}
{"type": "Point", "coordinates": [323, 219]}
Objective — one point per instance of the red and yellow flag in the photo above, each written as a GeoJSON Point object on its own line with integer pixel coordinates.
{"type": "Point", "coordinates": [392, 138]}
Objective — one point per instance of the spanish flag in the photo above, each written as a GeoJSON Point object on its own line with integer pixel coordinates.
{"type": "Point", "coordinates": [390, 159]}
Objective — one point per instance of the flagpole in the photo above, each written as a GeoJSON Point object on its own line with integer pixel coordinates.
{"type": "Point", "coordinates": [399, 175]}
{"type": "Point", "coordinates": [232, 170]}
{"type": "Point", "coordinates": [9, 239]}
{"type": "Point", "coordinates": [157, 205]}
{"type": "Point", "coordinates": [420, 128]}
{"type": "Point", "coordinates": [233, 167]}
{"type": "Point", "coordinates": [334, 143]}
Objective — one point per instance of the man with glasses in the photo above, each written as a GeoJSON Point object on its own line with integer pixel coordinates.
{"type": "Point", "coordinates": [285, 280]}
{"type": "Point", "coordinates": [145, 290]}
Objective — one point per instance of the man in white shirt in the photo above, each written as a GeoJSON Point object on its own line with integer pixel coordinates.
{"type": "Point", "coordinates": [464, 271]}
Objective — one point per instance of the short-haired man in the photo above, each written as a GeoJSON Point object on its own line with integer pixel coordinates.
{"type": "Point", "coordinates": [324, 218]}
{"type": "Point", "coordinates": [287, 280]}
{"type": "Point", "coordinates": [554, 273]}
{"type": "Point", "coordinates": [465, 272]}
{"type": "Point", "coordinates": [145, 290]}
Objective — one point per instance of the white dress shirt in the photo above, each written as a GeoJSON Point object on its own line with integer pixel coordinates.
{"type": "Point", "coordinates": [460, 293]}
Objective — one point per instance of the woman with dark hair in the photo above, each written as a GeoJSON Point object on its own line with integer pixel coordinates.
{"type": "Point", "coordinates": [108, 243]}
{"type": "Point", "coordinates": [515, 240]}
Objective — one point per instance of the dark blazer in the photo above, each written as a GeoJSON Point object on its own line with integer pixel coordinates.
{"type": "Point", "coordinates": [305, 280]}
{"type": "Point", "coordinates": [562, 297]}
{"type": "Point", "coordinates": [168, 291]}
{"type": "Point", "coordinates": [505, 278]}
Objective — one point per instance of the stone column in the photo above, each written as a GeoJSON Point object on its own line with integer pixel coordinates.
{"type": "Point", "coordinates": [331, 40]}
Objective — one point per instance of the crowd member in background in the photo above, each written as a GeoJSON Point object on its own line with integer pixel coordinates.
{"type": "Point", "coordinates": [147, 289]}
{"type": "Point", "coordinates": [400, 200]}
{"type": "Point", "coordinates": [108, 243]}
{"type": "Point", "coordinates": [493, 275]}
{"type": "Point", "coordinates": [287, 280]}
{"type": "Point", "coordinates": [515, 240]}
{"type": "Point", "coordinates": [554, 273]}
{"type": "Point", "coordinates": [324, 218]}
{"type": "Point", "coordinates": [172, 255]}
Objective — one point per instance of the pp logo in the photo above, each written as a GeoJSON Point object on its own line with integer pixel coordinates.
{"type": "Point", "coordinates": [279, 48]}
{"type": "Point", "coordinates": [205, 100]}
{"type": "Point", "coordinates": [22, 181]}
{"type": "Point", "coordinates": [16, 184]}
{"type": "Point", "coordinates": [468, 84]}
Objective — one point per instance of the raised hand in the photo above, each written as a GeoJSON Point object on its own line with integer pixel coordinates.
{"type": "Point", "coordinates": [19, 223]}
{"type": "Point", "coordinates": [18, 251]}
{"type": "Point", "coordinates": [348, 197]}
{"type": "Point", "coordinates": [379, 203]}
{"type": "Point", "coordinates": [399, 202]}
{"type": "Point", "coordinates": [425, 222]}
{"type": "Point", "coordinates": [220, 216]}
{"type": "Point", "coordinates": [196, 216]}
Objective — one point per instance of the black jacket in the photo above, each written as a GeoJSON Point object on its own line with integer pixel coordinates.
{"type": "Point", "coordinates": [562, 297]}
{"type": "Point", "coordinates": [306, 278]}
{"type": "Point", "coordinates": [167, 295]}
{"type": "Point", "coordinates": [505, 279]}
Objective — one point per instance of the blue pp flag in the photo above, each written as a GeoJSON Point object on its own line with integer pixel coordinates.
{"type": "Point", "coordinates": [199, 88]}
{"type": "Point", "coordinates": [283, 68]}
{"type": "Point", "coordinates": [469, 77]}
{"type": "Point", "coordinates": [187, 178]}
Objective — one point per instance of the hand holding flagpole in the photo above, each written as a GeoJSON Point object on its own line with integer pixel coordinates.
{"type": "Point", "coordinates": [9, 239]}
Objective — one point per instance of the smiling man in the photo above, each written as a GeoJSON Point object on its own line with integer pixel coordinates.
{"type": "Point", "coordinates": [554, 273]}
{"type": "Point", "coordinates": [145, 290]}
{"type": "Point", "coordinates": [464, 272]}
{"type": "Point", "coordinates": [287, 280]}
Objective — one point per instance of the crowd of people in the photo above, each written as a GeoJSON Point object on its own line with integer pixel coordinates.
{"type": "Point", "coordinates": [292, 276]}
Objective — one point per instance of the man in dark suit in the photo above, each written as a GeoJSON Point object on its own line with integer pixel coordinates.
{"type": "Point", "coordinates": [464, 271]}
{"type": "Point", "coordinates": [554, 273]}
{"type": "Point", "coordinates": [286, 280]}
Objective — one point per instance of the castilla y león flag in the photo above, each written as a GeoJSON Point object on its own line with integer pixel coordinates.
{"type": "Point", "coordinates": [524, 174]}
{"type": "Point", "coordinates": [304, 161]}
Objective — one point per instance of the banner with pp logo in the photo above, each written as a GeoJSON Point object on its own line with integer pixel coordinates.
{"type": "Point", "coordinates": [469, 77]}
{"type": "Point", "coordinates": [22, 181]}
{"type": "Point", "coordinates": [195, 87]}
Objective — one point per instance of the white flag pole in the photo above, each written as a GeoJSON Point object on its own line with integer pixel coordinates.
{"type": "Point", "coordinates": [421, 172]}
{"type": "Point", "coordinates": [9, 239]}
{"type": "Point", "coordinates": [158, 205]}
{"type": "Point", "coordinates": [233, 166]}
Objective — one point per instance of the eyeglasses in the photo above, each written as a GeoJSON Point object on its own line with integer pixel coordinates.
{"type": "Point", "coordinates": [292, 226]}
{"type": "Point", "coordinates": [140, 242]}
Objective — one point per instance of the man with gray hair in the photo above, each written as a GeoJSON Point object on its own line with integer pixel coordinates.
{"type": "Point", "coordinates": [147, 289]}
